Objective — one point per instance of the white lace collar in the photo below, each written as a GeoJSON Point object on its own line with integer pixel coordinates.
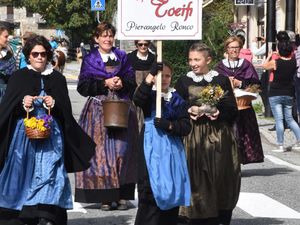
{"type": "Point", "coordinates": [167, 96]}
{"type": "Point", "coordinates": [141, 57]}
{"type": "Point", "coordinates": [233, 64]}
{"type": "Point", "coordinates": [198, 78]}
{"type": "Point", "coordinates": [106, 56]}
{"type": "Point", "coordinates": [3, 52]}
{"type": "Point", "coordinates": [48, 70]}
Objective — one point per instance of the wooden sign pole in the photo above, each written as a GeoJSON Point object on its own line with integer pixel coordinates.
{"type": "Point", "coordinates": [158, 81]}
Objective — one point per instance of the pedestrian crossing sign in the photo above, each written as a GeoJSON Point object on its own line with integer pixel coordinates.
{"type": "Point", "coordinates": [97, 5]}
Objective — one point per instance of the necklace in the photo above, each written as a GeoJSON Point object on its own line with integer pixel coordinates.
{"type": "Point", "coordinates": [235, 67]}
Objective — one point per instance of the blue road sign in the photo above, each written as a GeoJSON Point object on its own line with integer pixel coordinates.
{"type": "Point", "coordinates": [97, 5]}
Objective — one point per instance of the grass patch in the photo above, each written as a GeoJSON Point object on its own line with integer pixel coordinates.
{"type": "Point", "coordinates": [258, 107]}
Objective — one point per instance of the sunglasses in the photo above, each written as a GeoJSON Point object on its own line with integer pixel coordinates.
{"type": "Point", "coordinates": [36, 54]}
{"type": "Point", "coordinates": [141, 44]}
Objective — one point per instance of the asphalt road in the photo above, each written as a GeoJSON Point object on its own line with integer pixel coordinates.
{"type": "Point", "coordinates": [270, 191]}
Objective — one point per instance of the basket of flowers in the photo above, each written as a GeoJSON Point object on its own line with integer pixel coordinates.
{"type": "Point", "coordinates": [38, 127]}
{"type": "Point", "coordinates": [245, 97]}
{"type": "Point", "coordinates": [205, 98]}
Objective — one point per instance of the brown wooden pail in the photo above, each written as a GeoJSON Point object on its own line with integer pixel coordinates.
{"type": "Point", "coordinates": [116, 113]}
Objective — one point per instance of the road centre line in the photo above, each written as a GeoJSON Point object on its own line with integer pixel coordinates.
{"type": "Point", "coordinates": [260, 205]}
{"type": "Point", "coordinates": [281, 162]}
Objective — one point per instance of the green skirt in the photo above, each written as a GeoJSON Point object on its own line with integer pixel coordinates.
{"type": "Point", "coordinates": [214, 167]}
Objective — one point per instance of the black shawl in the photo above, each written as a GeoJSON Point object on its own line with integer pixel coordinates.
{"type": "Point", "coordinates": [78, 146]}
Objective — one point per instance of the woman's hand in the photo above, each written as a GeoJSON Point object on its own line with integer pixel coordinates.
{"type": "Point", "coordinates": [28, 101]}
{"type": "Point", "coordinates": [117, 83]}
{"type": "Point", "coordinates": [235, 82]}
{"type": "Point", "coordinates": [114, 83]}
{"type": "Point", "coordinates": [49, 101]}
{"type": "Point", "coordinates": [195, 112]}
{"type": "Point", "coordinates": [213, 116]}
{"type": "Point", "coordinates": [149, 79]}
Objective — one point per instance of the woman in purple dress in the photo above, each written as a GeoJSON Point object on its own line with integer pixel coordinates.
{"type": "Point", "coordinates": [106, 72]}
{"type": "Point", "coordinates": [242, 74]}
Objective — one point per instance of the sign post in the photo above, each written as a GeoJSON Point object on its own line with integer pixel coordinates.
{"type": "Point", "coordinates": [98, 5]}
{"type": "Point", "coordinates": [159, 20]}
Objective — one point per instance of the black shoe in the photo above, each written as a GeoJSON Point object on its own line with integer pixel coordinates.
{"type": "Point", "coordinates": [44, 221]}
{"type": "Point", "coordinates": [272, 128]}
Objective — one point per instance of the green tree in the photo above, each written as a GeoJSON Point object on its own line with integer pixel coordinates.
{"type": "Point", "coordinates": [216, 18]}
{"type": "Point", "coordinates": [73, 16]}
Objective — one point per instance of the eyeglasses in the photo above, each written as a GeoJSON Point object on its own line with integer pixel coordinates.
{"type": "Point", "coordinates": [141, 44]}
{"type": "Point", "coordinates": [36, 54]}
{"type": "Point", "coordinates": [234, 47]}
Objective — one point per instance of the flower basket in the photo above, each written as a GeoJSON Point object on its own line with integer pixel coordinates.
{"type": "Point", "coordinates": [36, 133]}
{"type": "Point", "coordinates": [38, 128]}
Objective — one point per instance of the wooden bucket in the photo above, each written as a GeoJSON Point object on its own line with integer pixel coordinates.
{"type": "Point", "coordinates": [116, 113]}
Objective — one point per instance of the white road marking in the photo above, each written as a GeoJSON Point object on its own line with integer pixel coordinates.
{"type": "Point", "coordinates": [77, 207]}
{"type": "Point", "coordinates": [278, 161]}
{"type": "Point", "coordinates": [260, 205]}
{"type": "Point", "coordinates": [72, 86]}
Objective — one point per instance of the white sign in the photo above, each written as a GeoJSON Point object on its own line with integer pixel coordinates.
{"type": "Point", "coordinates": [159, 19]}
{"type": "Point", "coordinates": [244, 2]}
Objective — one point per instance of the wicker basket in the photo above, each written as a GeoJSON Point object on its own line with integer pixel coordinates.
{"type": "Point", "coordinates": [36, 133]}
{"type": "Point", "coordinates": [244, 102]}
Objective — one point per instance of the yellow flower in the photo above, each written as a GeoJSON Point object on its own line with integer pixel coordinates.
{"type": "Point", "coordinates": [210, 95]}
{"type": "Point", "coordinates": [35, 123]}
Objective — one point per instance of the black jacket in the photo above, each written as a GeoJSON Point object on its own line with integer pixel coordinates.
{"type": "Point", "coordinates": [78, 146]}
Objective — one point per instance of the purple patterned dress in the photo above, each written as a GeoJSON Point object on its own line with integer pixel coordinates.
{"type": "Point", "coordinates": [247, 131]}
{"type": "Point", "coordinates": [113, 174]}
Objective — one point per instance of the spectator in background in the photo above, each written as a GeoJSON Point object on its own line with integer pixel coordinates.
{"type": "Point", "coordinates": [53, 43]}
{"type": "Point", "coordinates": [245, 53]}
{"type": "Point", "coordinates": [142, 61]}
{"type": "Point", "coordinates": [261, 51]}
{"type": "Point", "coordinates": [297, 76]}
{"type": "Point", "coordinates": [20, 57]}
{"type": "Point", "coordinates": [7, 60]}
{"type": "Point", "coordinates": [281, 92]}
{"type": "Point", "coordinates": [83, 50]}
{"type": "Point", "coordinates": [60, 56]}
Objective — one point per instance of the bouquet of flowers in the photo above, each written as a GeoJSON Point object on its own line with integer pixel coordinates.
{"type": "Point", "coordinates": [206, 98]}
{"type": "Point", "coordinates": [38, 127]}
{"type": "Point", "coordinates": [210, 95]}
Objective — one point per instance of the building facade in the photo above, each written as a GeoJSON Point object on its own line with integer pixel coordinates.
{"type": "Point", "coordinates": [22, 20]}
{"type": "Point", "coordinates": [253, 18]}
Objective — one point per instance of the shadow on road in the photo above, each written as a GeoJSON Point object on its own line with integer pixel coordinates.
{"type": "Point", "coordinates": [107, 220]}
{"type": "Point", "coordinates": [256, 221]}
{"type": "Point", "coordinates": [265, 172]}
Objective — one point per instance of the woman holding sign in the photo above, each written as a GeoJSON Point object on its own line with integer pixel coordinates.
{"type": "Point", "coordinates": [163, 181]}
